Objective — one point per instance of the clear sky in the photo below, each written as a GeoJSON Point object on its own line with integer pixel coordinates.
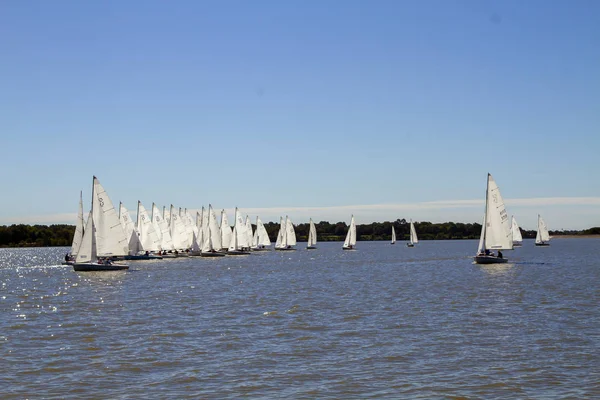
{"type": "Point", "coordinates": [385, 109]}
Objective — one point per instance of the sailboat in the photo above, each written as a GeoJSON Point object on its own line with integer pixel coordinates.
{"type": "Point", "coordinates": [212, 239]}
{"type": "Point", "coordinates": [134, 244]}
{"type": "Point", "coordinates": [286, 238]}
{"type": "Point", "coordinates": [542, 237]}
{"type": "Point", "coordinates": [103, 235]}
{"type": "Point", "coordinates": [225, 231]}
{"type": "Point", "coordinates": [350, 242]}
{"type": "Point", "coordinates": [77, 236]}
{"type": "Point", "coordinates": [516, 233]}
{"type": "Point", "coordinates": [496, 231]}
{"type": "Point", "coordinates": [312, 236]}
{"type": "Point", "coordinates": [413, 236]}
{"type": "Point", "coordinates": [393, 236]}
{"type": "Point", "coordinates": [260, 240]}
{"type": "Point", "coordinates": [147, 236]}
{"type": "Point", "coordinates": [239, 244]}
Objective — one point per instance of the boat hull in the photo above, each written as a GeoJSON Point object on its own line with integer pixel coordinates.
{"type": "Point", "coordinates": [238, 253]}
{"type": "Point", "coordinates": [542, 244]}
{"type": "Point", "coordinates": [311, 247]}
{"type": "Point", "coordinates": [410, 245]}
{"type": "Point", "coordinates": [143, 257]}
{"type": "Point", "coordinates": [260, 249]}
{"type": "Point", "coordinates": [489, 260]}
{"type": "Point", "coordinates": [348, 248]}
{"type": "Point", "coordinates": [212, 254]}
{"type": "Point", "coordinates": [88, 267]}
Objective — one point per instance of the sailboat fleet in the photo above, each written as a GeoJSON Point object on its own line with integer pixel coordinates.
{"type": "Point", "coordinates": [109, 235]}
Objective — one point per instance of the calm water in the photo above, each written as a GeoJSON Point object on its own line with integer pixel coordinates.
{"type": "Point", "coordinates": [381, 322]}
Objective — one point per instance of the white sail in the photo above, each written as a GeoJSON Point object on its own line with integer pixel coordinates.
{"type": "Point", "coordinates": [225, 230]}
{"type": "Point", "coordinates": [148, 235]}
{"type": "Point", "coordinates": [542, 235]}
{"type": "Point", "coordinates": [178, 233]}
{"type": "Point", "coordinates": [261, 237]}
{"type": "Point", "coordinates": [351, 235]}
{"type": "Point", "coordinates": [110, 236]}
{"type": "Point", "coordinates": [79, 229]}
{"type": "Point", "coordinates": [290, 232]}
{"type": "Point", "coordinates": [166, 243]}
{"type": "Point", "coordinates": [481, 246]}
{"type": "Point", "coordinates": [249, 230]}
{"type": "Point", "coordinates": [516, 232]}
{"type": "Point", "coordinates": [393, 235]}
{"type": "Point", "coordinates": [413, 233]}
{"type": "Point", "coordinates": [280, 242]}
{"type": "Point", "coordinates": [497, 232]}
{"type": "Point", "coordinates": [134, 245]}
{"type": "Point", "coordinates": [239, 238]}
{"type": "Point", "coordinates": [188, 227]}
{"type": "Point", "coordinates": [195, 246]}
{"type": "Point", "coordinates": [212, 241]}
{"type": "Point", "coordinates": [167, 217]}
{"type": "Point", "coordinates": [87, 249]}
{"type": "Point", "coordinates": [312, 234]}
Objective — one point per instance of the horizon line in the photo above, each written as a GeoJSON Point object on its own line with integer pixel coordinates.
{"type": "Point", "coordinates": [331, 211]}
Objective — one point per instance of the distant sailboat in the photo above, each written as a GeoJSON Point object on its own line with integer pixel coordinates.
{"type": "Point", "coordinates": [239, 244]}
{"type": "Point", "coordinates": [148, 236]}
{"type": "Point", "coordinates": [542, 237]}
{"type": "Point", "coordinates": [286, 238]}
{"type": "Point", "coordinates": [225, 231]}
{"type": "Point", "coordinates": [162, 229]}
{"type": "Point", "coordinates": [212, 241]}
{"type": "Point", "coordinates": [393, 236]}
{"type": "Point", "coordinates": [103, 235]}
{"type": "Point", "coordinates": [516, 233]}
{"type": "Point", "coordinates": [134, 243]}
{"type": "Point", "coordinates": [496, 231]}
{"type": "Point", "coordinates": [413, 236]}
{"type": "Point", "coordinates": [350, 242]}
{"type": "Point", "coordinates": [260, 240]}
{"type": "Point", "coordinates": [77, 236]}
{"type": "Point", "coordinates": [312, 236]}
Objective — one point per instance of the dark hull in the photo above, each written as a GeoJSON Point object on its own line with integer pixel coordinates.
{"type": "Point", "coordinates": [212, 254]}
{"type": "Point", "coordinates": [238, 253]}
{"type": "Point", "coordinates": [348, 248]}
{"type": "Point", "coordinates": [410, 245]}
{"type": "Point", "coordinates": [88, 267]}
{"type": "Point", "coordinates": [489, 260]}
{"type": "Point", "coordinates": [542, 244]}
{"type": "Point", "coordinates": [143, 257]}
{"type": "Point", "coordinates": [311, 247]}
{"type": "Point", "coordinates": [261, 249]}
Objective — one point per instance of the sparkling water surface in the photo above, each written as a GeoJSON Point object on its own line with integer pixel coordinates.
{"type": "Point", "coordinates": [380, 322]}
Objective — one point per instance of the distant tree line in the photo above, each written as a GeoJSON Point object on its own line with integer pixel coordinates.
{"type": "Point", "coordinates": [36, 235]}
{"type": "Point", "coordinates": [61, 235]}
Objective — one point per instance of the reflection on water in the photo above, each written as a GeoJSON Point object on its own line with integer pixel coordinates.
{"type": "Point", "coordinates": [383, 321]}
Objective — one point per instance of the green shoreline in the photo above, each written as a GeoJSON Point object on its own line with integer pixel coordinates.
{"type": "Point", "coordinates": [21, 235]}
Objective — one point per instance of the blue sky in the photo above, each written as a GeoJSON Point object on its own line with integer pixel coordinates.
{"type": "Point", "coordinates": [312, 107]}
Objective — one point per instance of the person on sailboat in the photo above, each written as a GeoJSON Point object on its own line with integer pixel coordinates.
{"type": "Point", "coordinates": [499, 254]}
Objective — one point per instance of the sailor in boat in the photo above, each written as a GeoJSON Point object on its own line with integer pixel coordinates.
{"type": "Point", "coordinates": [69, 258]}
{"type": "Point", "coordinates": [499, 254]}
